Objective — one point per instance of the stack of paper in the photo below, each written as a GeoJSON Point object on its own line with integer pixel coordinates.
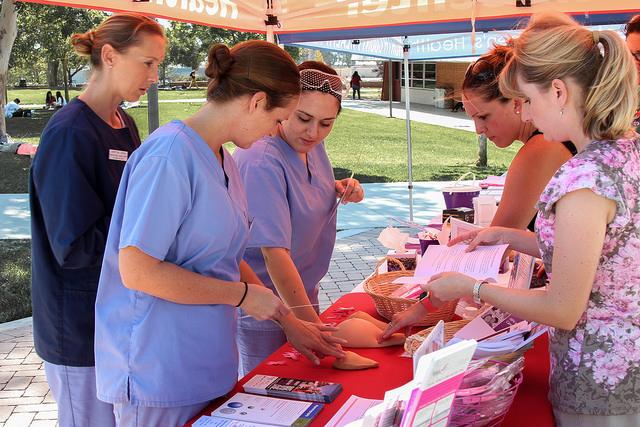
{"type": "Point", "coordinates": [498, 333]}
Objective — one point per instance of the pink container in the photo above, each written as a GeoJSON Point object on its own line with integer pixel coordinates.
{"type": "Point", "coordinates": [485, 410]}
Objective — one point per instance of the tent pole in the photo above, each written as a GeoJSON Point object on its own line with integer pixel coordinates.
{"type": "Point", "coordinates": [390, 77]}
{"type": "Point", "coordinates": [271, 22]}
{"type": "Point", "coordinates": [407, 109]}
{"type": "Point", "coordinates": [153, 111]}
{"type": "Point", "coordinates": [270, 36]}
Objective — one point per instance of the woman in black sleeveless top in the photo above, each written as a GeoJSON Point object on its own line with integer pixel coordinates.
{"type": "Point", "coordinates": [499, 119]}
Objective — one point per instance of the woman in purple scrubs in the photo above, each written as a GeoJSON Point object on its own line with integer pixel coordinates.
{"type": "Point", "coordinates": [292, 194]}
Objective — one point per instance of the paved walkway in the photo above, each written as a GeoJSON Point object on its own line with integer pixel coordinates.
{"type": "Point", "coordinates": [382, 201]}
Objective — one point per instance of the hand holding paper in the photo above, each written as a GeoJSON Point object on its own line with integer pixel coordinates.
{"type": "Point", "coordinates": [450, 286]}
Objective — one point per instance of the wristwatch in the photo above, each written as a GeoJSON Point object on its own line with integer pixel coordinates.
{"type": "Point", "coordinates": [476, 290]}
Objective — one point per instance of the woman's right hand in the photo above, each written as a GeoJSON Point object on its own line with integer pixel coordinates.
{"type": "Point", "coordinates": [404, 319]}
{"type": "Point", "coordinates": [262, 304]}
{"type": "Point", "coordinates": [486, 236]}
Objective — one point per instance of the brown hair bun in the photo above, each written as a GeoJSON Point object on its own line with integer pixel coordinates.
{"type": "Point", "coordinates": [220, 61]}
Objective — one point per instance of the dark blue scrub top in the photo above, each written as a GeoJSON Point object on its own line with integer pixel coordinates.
{"type": "Point", "coordinates": [72, 189]}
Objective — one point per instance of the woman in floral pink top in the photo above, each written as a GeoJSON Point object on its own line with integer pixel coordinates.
{"type": "Point", "coordinates": [576, 85]}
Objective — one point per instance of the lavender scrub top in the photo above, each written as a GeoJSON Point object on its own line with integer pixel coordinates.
{"type": "Point", "coordinates": [175, 203]}
{"type": "Point", "coordinates": [290, 206]}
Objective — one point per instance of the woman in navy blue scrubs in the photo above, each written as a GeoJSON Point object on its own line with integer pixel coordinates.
{"type": "Point", "coordinates": [73, 185]}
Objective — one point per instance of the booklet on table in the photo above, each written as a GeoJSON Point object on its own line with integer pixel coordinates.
{"type": "Point", "coordinates": [292, 388]}
{"type": "Point", "coordinates": [253, 410]}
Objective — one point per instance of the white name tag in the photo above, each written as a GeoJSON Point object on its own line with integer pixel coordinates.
{"type": "Point", "coordinates": [118, 155]}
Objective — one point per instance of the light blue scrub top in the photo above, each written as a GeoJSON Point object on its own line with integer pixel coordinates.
{"type": "Point", "coordinates": [173, 205]}
{"type": "Point", "coordinates": [290, 204]}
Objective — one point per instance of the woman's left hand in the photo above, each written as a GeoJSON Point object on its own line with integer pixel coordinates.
{"type": "Point", "coordinates": [351, 188]}
{"type": "Point", "coordinates": [450, 286]}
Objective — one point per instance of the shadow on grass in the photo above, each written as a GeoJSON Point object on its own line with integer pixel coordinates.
{"type": "Point", "coordinates": [453, 172]}
{"type": "Point", "coordinates": [341, 173]}
{"type": "Point", "coordinates": [15, 279]}
{"type": "Point", "coordinates": [15, 173]}
{"type": "Point", "coordinates": [440, 173]}
{"type": "Point", "coordinates": [29, 127]}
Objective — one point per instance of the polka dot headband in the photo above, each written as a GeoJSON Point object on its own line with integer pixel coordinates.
{"type": "Point", "coordinates": [322, 82]}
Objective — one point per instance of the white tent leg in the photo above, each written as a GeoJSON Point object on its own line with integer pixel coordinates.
{"type": "Point", "coordinates": [407, 107]}
{"type": "Point", "coordinates": [270, 36]}
{"type": "Point", "coordinates": [390, 77]}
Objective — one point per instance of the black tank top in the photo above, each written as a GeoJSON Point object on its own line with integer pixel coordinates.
{"type": "Point", "coordinates": [571, 148]}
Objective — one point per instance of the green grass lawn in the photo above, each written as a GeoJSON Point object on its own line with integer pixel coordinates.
{"type": "Point", "coordinates": [371, 145]}
{"type": "Point", "coordinates": [15, 279]}
{"type": "Point", "coordinates": [37, 96]}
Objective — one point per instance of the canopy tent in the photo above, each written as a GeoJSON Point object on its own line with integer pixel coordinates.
{"type": "Point", "coordinates": [313, 20]}
{"type": "Point", "coordinates": [297, 21]}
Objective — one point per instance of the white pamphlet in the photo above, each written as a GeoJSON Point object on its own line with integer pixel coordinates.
{"type": "Point", "coordinates": [352, 410]}
{"type": "Point", "coordinates": [433, 342]}
{"type": "Point", "coordinates": [459, 227]}
{"type": "Point", "coordinates": [255, 409]}
{"type": "Point", "coordinates": [207, 421]}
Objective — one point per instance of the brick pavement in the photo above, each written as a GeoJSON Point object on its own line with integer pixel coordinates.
{"type": "Point", "coordinates": [25, 400]}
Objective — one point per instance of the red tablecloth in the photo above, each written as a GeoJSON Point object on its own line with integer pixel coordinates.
{"type": "Point", "coordinates": [530, 408]}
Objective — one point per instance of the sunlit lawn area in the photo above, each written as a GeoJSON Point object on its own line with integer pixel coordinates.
{"type": "Point", "coordinates": [373, 146]}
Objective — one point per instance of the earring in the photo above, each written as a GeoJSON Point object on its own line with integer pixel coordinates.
{"type": "Point", "coordinates": [561, 112]}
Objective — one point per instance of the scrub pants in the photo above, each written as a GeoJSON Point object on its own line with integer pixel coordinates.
{"type": "Point", "coordinates": [564, 419]}
{"type": "Point", "coordinates": [144, 416]}
{"type": "Point", "coordinates": [255, 345]}
{"type": "Point", "coordinates": [74, 389]}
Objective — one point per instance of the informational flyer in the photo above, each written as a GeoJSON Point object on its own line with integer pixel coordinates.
{"type": "Point", "coordinates": [250, 408]}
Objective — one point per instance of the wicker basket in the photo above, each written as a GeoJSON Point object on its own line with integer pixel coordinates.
{"type": "Point", "coordinates": [379, 286]}
{"type": "Point", "coordinates": [413, 341]}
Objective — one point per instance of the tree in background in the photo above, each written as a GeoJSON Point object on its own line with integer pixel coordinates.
{"type": "Point", "coordinates": [189, 44]}
{"type": "Point", "coordinates": [43, 38]}
{"type": "Point", "coordinates": [8, 23]}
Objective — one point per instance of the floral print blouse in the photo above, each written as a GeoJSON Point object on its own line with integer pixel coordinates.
{"type": "Point", "coordinates": [595, 368]}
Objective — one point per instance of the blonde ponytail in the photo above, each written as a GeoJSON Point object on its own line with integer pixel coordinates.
{"type": "Point", "coordinates": [611, 101]}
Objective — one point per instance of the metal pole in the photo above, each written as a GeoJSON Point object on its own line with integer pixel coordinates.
{"type": "Point", "coordinates": [390, 76]}
{"type": "Point", "coordinates": [407, 109]}
{"type": "Point", "coordinates": [152, 108]}
{"type": "Point", "coordinates": [270, 36]}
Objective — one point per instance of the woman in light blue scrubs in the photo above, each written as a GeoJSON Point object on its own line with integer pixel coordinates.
{"type": "Point", "coordinates": [173, 273]}
{"type": "Point", "coordinates": [292, 198]}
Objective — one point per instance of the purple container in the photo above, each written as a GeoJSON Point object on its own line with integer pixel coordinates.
{"type": "Point", "coordinates": [460, 196]}
{"type": "Point", "coordinates": [425, 243]}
